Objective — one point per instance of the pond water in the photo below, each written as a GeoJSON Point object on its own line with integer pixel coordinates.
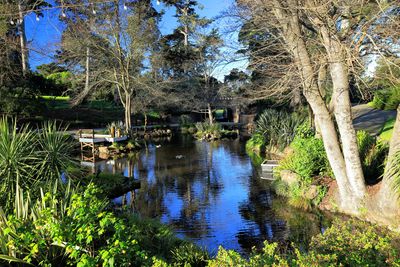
{"type": "Point", "coordinates": [212, 194]}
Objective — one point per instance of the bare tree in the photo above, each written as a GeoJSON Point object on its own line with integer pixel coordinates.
{"type": "Point", "coordinates": [313, 36]}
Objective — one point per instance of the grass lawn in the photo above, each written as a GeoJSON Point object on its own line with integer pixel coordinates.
{"type": "Point", "coordinates": [91, 114]}
{"type": "Point", "coordinates": [387, 130]}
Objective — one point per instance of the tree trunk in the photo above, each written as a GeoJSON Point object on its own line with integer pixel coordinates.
{"type": "Point", "coordinates": [290, 26]}
{"type": "Point", "coordinates": [22, 39]}
{"type": "Point", "coordinates": [236, 115]}
{"type": "Point", "coordinates": [145, 122]}
{"type": "Point", "coordinates": [128, 112]}
{"type": "Point", "coordinates": [87, 76]}
{"type": "Point", "coordinates": [210, 114]}
{"type": "Point", "coordinates": [343, 114]}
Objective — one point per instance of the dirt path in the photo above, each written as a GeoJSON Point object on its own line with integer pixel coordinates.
{"type": "Point", "coordinates": [369, 119]}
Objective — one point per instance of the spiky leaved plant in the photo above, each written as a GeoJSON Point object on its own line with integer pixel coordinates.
{"type": "Point", "coordinates": [18, 161]}
{"type": "Point", "coordinates": [54, 151]}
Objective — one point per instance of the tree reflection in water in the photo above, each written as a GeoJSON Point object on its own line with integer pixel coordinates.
{"type": "Point", "coordinates": [212, 194]}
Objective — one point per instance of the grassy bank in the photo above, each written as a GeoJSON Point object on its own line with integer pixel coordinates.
{"type": "Point", "coordinates": [387, 130]}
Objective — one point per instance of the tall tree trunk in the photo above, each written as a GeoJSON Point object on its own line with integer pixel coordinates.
{"type": "Point", "coordinates": [210, 114]}
{"type": "Point", "coordinates": [343, 114]}
{"type": "Point", "coordinates": [145, 122]}
{"type": "Point", "coordinates": [128, 112]}
{"type": "Point", "coordinates": [236, 115]}
{"type": "Point", "coordinates": [22, 40]}
{"type": "Point", "coordinates": [87, 75]}
{"type": "Point", "coordinates": [290, 26]}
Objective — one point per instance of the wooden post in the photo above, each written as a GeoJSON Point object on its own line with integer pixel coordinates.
{"type": "Point", "coordinates": [79, 136]}
{"type": "Point", "coordinates": [93, 142]}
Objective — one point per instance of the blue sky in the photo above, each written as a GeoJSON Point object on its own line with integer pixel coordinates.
{"type": "Point", "coordinates": [44, 35]}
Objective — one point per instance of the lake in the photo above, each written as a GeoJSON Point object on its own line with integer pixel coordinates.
{"type": "Point", "coordinates": [212, 194]}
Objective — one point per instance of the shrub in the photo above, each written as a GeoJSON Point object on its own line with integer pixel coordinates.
{"type": "Point", "coordinates": [278, 127]}
{"type": "Point", "coordinates": [357, 243]}
{"type": "Point", "coordinates": [29, 159]}
{"type": "Point", "coordinates": [256, 143]}
{"type": "Point", "coordinates": [308, 158]}
{"type": "Point", "coordinates": [54, 151]}
{"type": "Point", "coordinates": [19, 101]}
{"type": "Point", "coordinates": [372, 154]}
{"type": "Point", "coordinates": [77, 229]}
{"type": "Point", "coordinates": [17, 158]}
{"type": "Point", "coordinates": [350, 243]}
{"type": "Point", "coordinates": [387, 99]}
{"type": "Point", "coordinates": [208, 131]}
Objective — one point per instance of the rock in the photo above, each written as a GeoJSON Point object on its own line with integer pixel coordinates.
{"type": "Point", "coordinates": [312, 192]}
{"type": "Point", "coordinates": [104, 155]}
{"type": "Point", "coordinates": [104, 150]}
{"type": "Point", "coordinates": [289, 177]}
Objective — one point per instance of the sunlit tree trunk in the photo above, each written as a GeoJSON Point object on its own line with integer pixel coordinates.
{"type": "Point", "coordinates": [343, 114]}
{"type": "Point", "coordinates": [387, 199]}
{"type": "Point", "coordinates": [291, 29]}
{"type": "Point", "coordinates": [87, 67]}
{"type": "Point", "coordinates": [22, 39]}
{"type": "Point", "coordinates": [210, 113]}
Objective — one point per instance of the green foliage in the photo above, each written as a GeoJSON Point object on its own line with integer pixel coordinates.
{"type": "Point", "coordinates": [19, 101]}
{"type": "Point", "coordinates": [387, 99]}
{"type": "Point", "coordinates": [278, 127]}
{"type": "Point", "coordinates": [54, 151]}
{"type": "Point", "coordinates": [256, 143]}
{"type": "Point", "coordinates": [18, 159]}
{"type": "Point", "coordinates": [81, 234]}
{"type": "Point", "coordinates": [393, 172]}
{"type": "Point", "coordinates": [350, 243]}
{"type": "Point", "coordinates": [308, 158]}
{"type": "Point", "coordinates": [101, 105]}
{"type": "Point", "coordinates": [387, 130]}
{"type": "Point", "coordinates": [357, 243]}
{"type": "Point", "coordinates": [59, 98]}
{"type": "Point", "coordinates": [209, 131]}
{"type": "Point", "coordinates": [386, 84]}
{"type": "Point", "coordinates": [61, 78]}
{"type": "Point", "coordinates": [29, 158]}
{"type": "Point", "coordinates": [189, 254]}
{"type": "Point", "coordinates": [76, 229]}
{"type": "Point", "coordinates": [372, 154]}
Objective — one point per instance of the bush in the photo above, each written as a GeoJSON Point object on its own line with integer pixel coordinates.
{"type": "Point", "coordinates": [19, 101]}
{"type": "Point", "coordinates": [308, 158]}
{"type": "Point", "coordinates": [350, 243]}
{"type": "Point", "coordinates": [256, 143]}
{"type": "Point", "coordinates": [209, 131]}
{"type": "Point", "coordinates": [387, 99]}
{"type": "Point", "coordinates": [77, 229]}
{"type": "Point", "coordinates": [278, 127]}
{"type": "Point", "coordinates": [372, 154]}
{"type": "Point", "coordinates": [357, 243]}
{"type": "Point", "coordinates": [29, 159]}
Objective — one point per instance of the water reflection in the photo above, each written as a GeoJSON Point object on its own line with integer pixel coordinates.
{"type": "Point", "coordinates": [210, 193]}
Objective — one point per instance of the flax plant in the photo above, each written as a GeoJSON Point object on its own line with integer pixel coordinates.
{"type": "Point", "coordinates": [18, 161]}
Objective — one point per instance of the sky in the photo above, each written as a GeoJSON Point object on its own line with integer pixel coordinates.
{"type": "Point", "coordinates": [43, 35]}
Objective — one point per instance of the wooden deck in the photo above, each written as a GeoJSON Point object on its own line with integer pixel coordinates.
{"type": "Point", "coordinates": [88, 138]}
